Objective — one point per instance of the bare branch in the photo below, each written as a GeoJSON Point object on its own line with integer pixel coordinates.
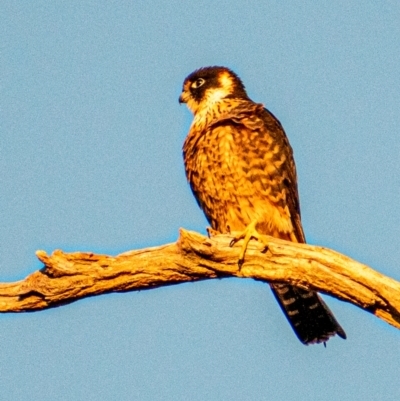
{"type": "Point", "coordinates": [67, 277]}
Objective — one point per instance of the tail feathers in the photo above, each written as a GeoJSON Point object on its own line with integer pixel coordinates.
{"type": "Point", "coordinates": [307, 313]}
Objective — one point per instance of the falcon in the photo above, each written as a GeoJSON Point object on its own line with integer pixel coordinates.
{"type": "Point", "coordinates": [240, 167]}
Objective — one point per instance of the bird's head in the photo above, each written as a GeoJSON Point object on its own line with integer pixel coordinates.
{"type": "Point", "coordinates": [209, 85]}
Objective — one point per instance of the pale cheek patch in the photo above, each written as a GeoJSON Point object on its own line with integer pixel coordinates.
{"type": "Point", "coordinates": [192, 105]}
{"type": "Point", "coordinates": [215, 95]}
{"type": "Point", "coordinates": [226, 82]}
{"type": "Point", "coordinates": [212, 96]}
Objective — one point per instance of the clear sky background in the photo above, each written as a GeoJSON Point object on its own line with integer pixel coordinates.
{"type": "Point", "coordinates": [90, 160]}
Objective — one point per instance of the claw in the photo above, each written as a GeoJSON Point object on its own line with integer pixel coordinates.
{"type": "Point", "coordinates": [250, 232]}
{"type": "Point", "coordinates": [265, 249]}
{"type": "Point", "coordinates": [211, 232]}
{"type": "Point", "coordinates": [236, 239]}
{"type": "Point", "coordinates": [246, 235]}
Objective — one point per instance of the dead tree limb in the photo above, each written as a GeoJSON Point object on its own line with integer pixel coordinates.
{"type": "Point", "coordinates": [67, 277]}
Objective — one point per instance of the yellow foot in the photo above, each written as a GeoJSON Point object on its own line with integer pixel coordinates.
{"type": "Point", "coordinates": [250, 232]}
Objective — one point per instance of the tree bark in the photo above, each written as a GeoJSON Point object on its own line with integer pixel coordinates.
{"type": "Point", "coordinates": [67, 277]}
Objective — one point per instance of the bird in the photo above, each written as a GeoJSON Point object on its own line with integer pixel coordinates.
{"type": "Point", "coordinates": [241, 170]}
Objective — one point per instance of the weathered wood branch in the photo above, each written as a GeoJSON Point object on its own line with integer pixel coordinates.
{"type": "Point", "coordinates": [67, 277]}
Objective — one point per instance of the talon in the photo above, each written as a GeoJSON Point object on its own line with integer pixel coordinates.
{"type": "Point", "coordinates": [238, 237]}
{"type": "Point", "coordinates": [234, 241]}
{"type": "Point", "coordinates": [250, 232]}
{"type": "Point", "coordinates": [265, 249]}
{"type": "Point", "coordinates": [211, 232]}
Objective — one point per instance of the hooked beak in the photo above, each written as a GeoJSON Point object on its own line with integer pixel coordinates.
{"type": "Point", "coordinates": [182, 98]}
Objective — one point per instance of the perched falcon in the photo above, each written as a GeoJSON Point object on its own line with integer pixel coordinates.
{"type": "Point", "coordinates": [240, 167]}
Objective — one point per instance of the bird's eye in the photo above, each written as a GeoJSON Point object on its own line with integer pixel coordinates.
{"type": "Point", "coordinates": [199, 82]}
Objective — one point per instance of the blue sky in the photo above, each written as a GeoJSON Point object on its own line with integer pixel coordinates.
{"type": "Point", "coordinates": [90, 159]}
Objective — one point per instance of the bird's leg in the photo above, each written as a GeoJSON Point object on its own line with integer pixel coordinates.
{"type": "Point", "coordinates": [250, 232]}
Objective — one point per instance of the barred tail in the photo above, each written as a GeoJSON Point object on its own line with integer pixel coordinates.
{"type": "Point", "coordinates": [307, 313]}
